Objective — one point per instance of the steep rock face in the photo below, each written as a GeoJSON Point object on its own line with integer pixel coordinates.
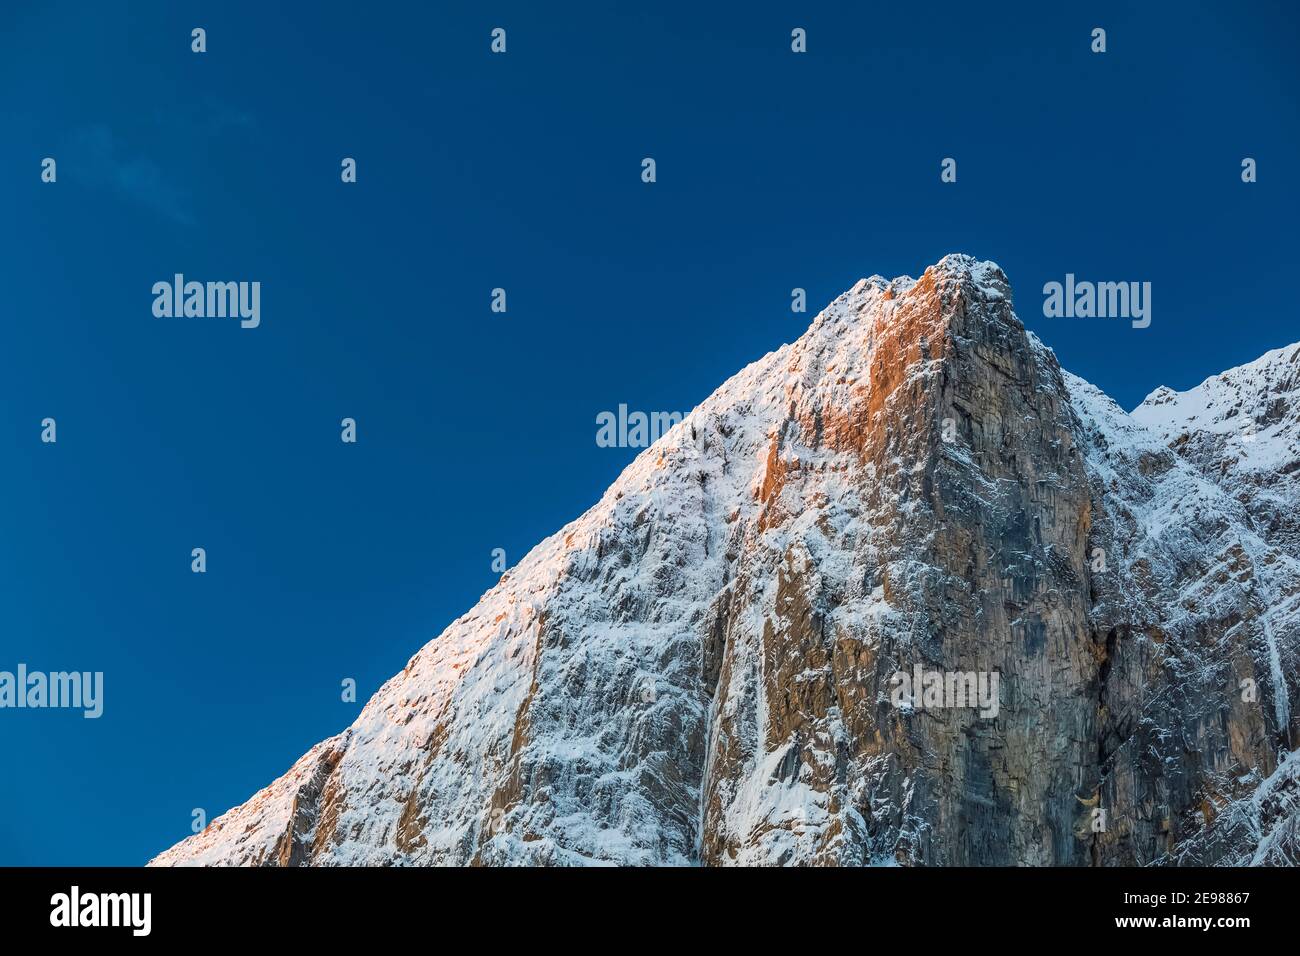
{"type": "Point", "coordinates": [1198, 621]}
{"type": "Point", "coordinates": [1240, 431]}
{"type": "Point", "coordinates": [879, 546]}
{"type": "Point", "coordinates": [699, 668]}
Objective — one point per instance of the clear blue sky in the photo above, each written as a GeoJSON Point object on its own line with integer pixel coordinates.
{"type": "Point", "coordinates": [476, 430]}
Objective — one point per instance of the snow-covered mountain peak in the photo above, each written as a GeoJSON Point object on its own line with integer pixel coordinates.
{"type": "Point", "coordinates": [698, 669]}
{"type": "Point", "coordinates": [1262, 392]}
{"type": "Point", "coordinates": [954, 269]}
{"type": "Point", "coordinates": [1241, 428]}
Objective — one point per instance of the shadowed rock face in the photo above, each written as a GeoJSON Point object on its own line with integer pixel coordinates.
{"type": "Point", "coordinates": [699, 669]}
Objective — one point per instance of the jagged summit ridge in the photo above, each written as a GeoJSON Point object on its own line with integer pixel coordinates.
{"type": "Point", "coordinates": [985, 276]}
{"type": "Point", "coordinates": [1274, 376]}
{"type": "Point", "coordinates": [697, 669]}
{"type": "Point", "coordinates": [1242, 429]}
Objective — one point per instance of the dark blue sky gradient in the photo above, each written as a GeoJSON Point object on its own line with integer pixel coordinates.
{"type": "Point", "coordinates": [477, 430]}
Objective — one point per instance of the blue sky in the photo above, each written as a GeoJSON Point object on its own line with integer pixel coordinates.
{"type": "Point", "coordinates": [476, 430]}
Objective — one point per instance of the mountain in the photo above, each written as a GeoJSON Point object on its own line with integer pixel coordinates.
{"type": "Point", "coordinates": [705, 667]}
{"type": "Point", "coordinates": [1242, 430]}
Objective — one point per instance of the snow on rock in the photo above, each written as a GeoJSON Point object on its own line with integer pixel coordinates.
{"type": "Point", "coordinates": [1242, 428]}
{"type": "Point", "coordinates": [698, 669]}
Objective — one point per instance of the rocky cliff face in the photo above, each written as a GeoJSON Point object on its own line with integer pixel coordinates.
{"type": "Point", "coordinates": [703, 667]}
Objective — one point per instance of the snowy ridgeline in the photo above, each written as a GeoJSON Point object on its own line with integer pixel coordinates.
{"type": "Point", "coordinates": [696, 670]}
